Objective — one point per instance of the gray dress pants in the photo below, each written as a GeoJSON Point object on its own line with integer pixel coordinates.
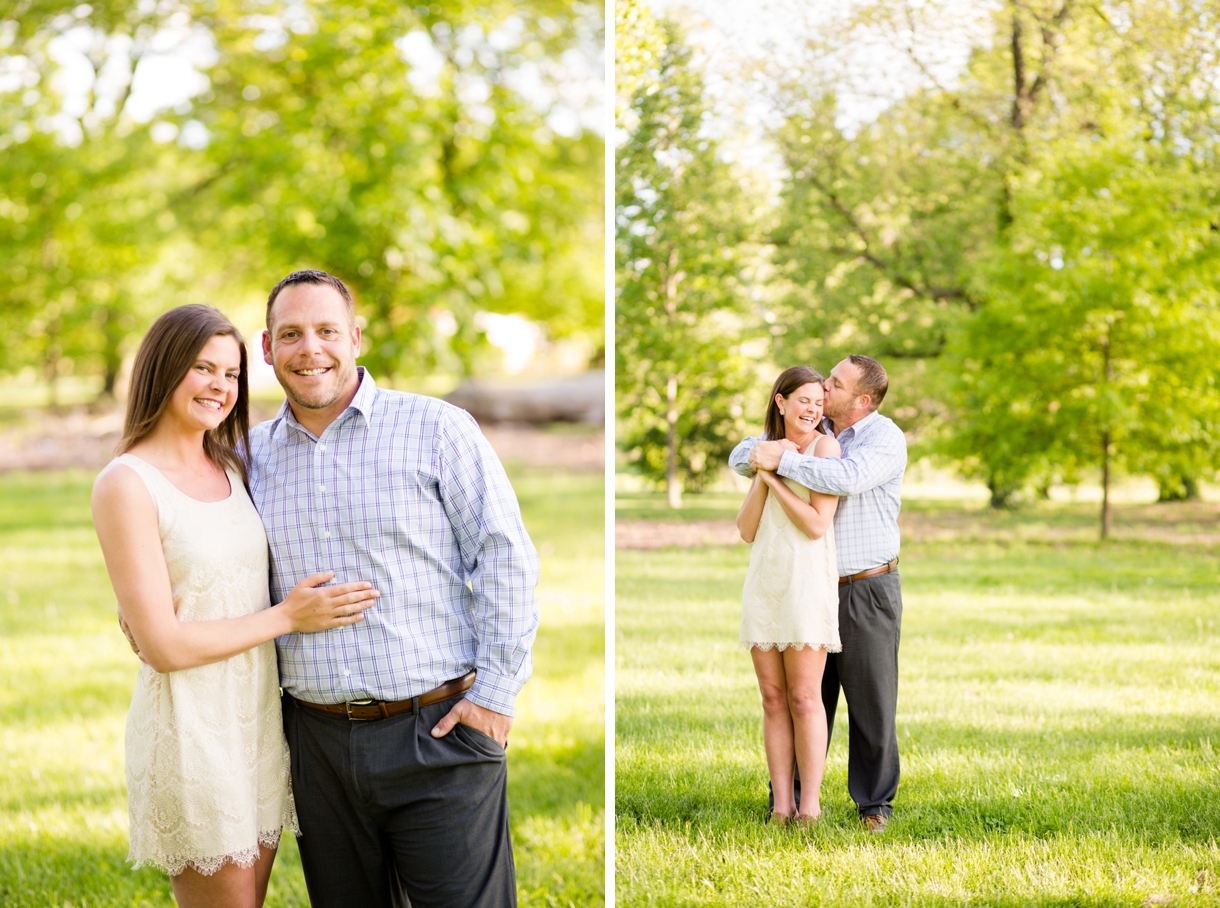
{"type": "Point", "coordinates": [870, 623]}
{"type": "Point", "coordinates": [390, 815]}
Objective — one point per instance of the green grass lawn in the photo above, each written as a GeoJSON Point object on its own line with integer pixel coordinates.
{"type": "Point", "coordinates": [1059, 720]}
{"type": "Point", "coordinates": [66, 676]}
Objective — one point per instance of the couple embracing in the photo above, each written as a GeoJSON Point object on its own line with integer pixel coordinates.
{"type": "Point", "coordinates": [370, 540]}
{"type": "Point", "coordinates": [822, 602]}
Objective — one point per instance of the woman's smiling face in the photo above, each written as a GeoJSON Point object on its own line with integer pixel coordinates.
{"type": "Point", "coordinates": [208, 393]}
{"type": "Point", "coordinates": [802, 409]}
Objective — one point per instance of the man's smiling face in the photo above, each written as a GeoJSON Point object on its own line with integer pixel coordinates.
{"type": "Point", "coordinates": [312, 344]}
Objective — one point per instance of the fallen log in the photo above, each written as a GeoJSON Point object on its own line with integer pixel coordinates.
{"type": "Point", "coordinates": [573, 398]}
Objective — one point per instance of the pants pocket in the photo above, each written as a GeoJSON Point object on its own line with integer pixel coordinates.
{"type": "Point", "coordinates": [475, 739]}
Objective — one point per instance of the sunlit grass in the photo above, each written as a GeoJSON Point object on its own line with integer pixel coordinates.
{"type": "Point", "coordinates": [66, 677]}
{"type": "Point", "coordinates": [1059, 716]}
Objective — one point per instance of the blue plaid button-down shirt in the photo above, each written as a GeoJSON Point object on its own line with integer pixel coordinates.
{"type": "Point", "coordinates": [868, 477]}
{"type": "Point", "coordinates": [403, 491]}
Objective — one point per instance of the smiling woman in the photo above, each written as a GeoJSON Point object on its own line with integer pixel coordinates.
{"type": "Point", "coordinates": [789, 620]}
{"type": "Point", "coordinates": [207, 779]}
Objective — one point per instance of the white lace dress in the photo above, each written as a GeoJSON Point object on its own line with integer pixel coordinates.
{"type": "Point", "coordinates": [791, 593]}
{"type": "Point", "coordinates": [207, 763]}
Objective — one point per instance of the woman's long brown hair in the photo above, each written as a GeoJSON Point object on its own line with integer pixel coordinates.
{"type": "Point", "coordinates": [789, 380]}
{"type": "Point", "coordinates": [168, 351]}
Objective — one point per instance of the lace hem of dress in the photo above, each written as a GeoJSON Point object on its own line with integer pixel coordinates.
{"type": "Point", "coordinates": [766, 647]}
{"type": "Point", "coordinates": [174, 864]}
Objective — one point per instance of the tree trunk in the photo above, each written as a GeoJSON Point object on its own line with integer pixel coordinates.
{"type": "Point", "coordinates": [1108, 366]}
{"type": "Point", "coordinates": [51, 371]}
{"type": "Point", "coordinates": [1105, 484]}
{"type": "Point", "coordinates": [112, 360]}
{"type": "Point", "coordinates": [1001, 493]}
{"type": "Point", "coordinates": [1017, 115]}
{"type": "Point", "coordinates": [672, 487]}
{"type": "Point", "coordinates": [1177, 487]}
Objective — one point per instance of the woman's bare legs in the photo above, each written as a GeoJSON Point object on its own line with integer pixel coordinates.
{"type": "Point", "coordinates": [803, 668]}
{"type": "Point", "coordinates": [777, 727]}
{"type": "Point", "coordinates": [229, 887]}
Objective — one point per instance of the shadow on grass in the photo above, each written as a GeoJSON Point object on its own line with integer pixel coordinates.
{"type": "Point", "coordinates": [956, 783]}
{"type": "Point", "coordinates": [1028, 568]}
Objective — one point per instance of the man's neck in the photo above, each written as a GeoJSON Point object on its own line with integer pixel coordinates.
{"type": "Point", "coordinates": [317, 421]}
{"type": "Point", "coordinates": [850, 419]}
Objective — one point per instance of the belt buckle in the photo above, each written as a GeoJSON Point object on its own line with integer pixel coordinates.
{"type": "Point", "coordinates": [350, 703]}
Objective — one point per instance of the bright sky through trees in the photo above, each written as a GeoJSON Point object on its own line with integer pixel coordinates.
{"type": "Point", "coordinates": [733, 38]}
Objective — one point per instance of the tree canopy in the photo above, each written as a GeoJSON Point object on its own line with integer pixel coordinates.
{"type": "Point", "coordinates": [1026, 238]}
{"type": "Point", "coordinates": [434, 157]}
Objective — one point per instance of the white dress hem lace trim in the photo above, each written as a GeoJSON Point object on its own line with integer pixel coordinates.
{"type": "Point", "coordinates": [175, 864]}
{"type": "Point", "coordinates": [766, 647]}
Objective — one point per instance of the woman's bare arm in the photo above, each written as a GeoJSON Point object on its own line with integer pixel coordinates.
{"type": "Point", "coordinates": [751, 510]}
{"type": "Point", "coordinates": [812, 518]}
{"type": "Point", "coordinates": [126, 523]}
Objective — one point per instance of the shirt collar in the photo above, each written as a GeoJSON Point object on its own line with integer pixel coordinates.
{"type": "Point", "coordinates": [362, 403]}
{"type": "Point", "coordinates": [857, 426]}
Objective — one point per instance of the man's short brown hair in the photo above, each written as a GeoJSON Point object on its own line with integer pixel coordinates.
{"type": "Point", "coordinates": [310, 276]}
{"type": "Point", "coordinates": [872, 381]}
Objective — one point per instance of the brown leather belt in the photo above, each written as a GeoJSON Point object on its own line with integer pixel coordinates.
{"type": "Point", "coordinates": [363, 710]}
{"type": "Point", "coordinates": [871, 572]}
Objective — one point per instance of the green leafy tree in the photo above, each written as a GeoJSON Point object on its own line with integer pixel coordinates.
{"type": "Point", "coordinates": [892, 232]}
{"type": "Point", "coordinates": [638, 40]}
{"type": "Point", "coordinates": [1098, 343]}
{"type": "Point", "coordinates": [83, 190]}
{"type": "Point", "coordinates": [681, 221]}
{"type": "Point", "coordinates": [882, 220]}
{"type": "Point", "coordinates": [388, 144]}
{"type": "Point", "coordinates": [425, 154]}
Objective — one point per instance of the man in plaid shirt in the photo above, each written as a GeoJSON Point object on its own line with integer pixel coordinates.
{"type": "Point", "coordinates": [396, 723]}
{"type": "Point", "coordinates": [868, 477]}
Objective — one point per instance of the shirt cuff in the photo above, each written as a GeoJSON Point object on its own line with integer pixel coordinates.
{"type": "Point", "coordinates": [788, 462]}
{"type": "Point", "coordinates": [495, 692]}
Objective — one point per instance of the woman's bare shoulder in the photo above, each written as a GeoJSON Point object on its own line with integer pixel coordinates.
{"type": "Point", "coordinates": [827, 446]}
{"type": "Point", "coordinates": [120, 484]}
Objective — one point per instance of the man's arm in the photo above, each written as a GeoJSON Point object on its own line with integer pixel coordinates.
{"type": "Point", "coordinates": [498, 558]}
{"type": "Point", "coordinates": [874, 459]}
{"type": "Point", "coordinates": [739, 460]}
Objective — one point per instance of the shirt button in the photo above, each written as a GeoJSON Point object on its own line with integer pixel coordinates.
{"type": "Point", "coordinates": [327, 534]}
{"type": "Point", "coordinates": [321, 488]}
{"type": "Point", "coordinates": [346, 673]}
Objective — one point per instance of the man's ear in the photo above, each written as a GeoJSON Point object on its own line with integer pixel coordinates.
{"type": "Point", "coordinates": [355, 341]}
{"type": "Point", "coordinates": [866, 401]}
{"type": "Point", "coordinates": [267, 348]}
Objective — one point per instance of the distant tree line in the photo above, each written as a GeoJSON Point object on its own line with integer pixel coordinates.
{"type": "Point", "coordinates": [1031, 247]}
{"type": "Point", "coordinates": [410, 149]}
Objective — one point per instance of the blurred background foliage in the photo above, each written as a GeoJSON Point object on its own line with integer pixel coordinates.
{"type": "Point", "coordinates": [682, 223]}
{"type": "Point", "coordinates": [1015, 206]}
{"type": "Point", "coordinates": [447, 161]}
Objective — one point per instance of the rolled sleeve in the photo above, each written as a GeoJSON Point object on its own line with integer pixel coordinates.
{"type": "Point", "coordinates": [739, 459]}
{"type": "Point", "coordinates": [498, 558]}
